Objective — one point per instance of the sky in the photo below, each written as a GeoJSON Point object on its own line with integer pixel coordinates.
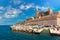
{"type": "Point", "coordinates": [14, 11]}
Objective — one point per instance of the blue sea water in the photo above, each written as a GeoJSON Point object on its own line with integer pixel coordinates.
{"type": "Point", "coordinates": [7, 34]}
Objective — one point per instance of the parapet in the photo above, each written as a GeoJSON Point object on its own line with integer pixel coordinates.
{"type": "Point", "coordinates": [58, 12]}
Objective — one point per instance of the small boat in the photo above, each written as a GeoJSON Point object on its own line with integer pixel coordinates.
{"type": "Point", "coordinates": [54, 31]}
{"type": "Point", "coordinates": [37, 31]}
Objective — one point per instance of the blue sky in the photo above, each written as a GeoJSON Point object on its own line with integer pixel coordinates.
{"type": "Point", "coordinates": [13, 11]}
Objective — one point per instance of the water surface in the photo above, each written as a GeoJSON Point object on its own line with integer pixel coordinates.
{"type": "Point", "coordinates": [7, 34]}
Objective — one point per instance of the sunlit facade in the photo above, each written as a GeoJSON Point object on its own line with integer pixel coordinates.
{"type": "Point", "coordinates": [44, 18]}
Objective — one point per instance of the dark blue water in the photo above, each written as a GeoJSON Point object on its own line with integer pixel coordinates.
{"type": "Point", "coordinates": [7, 34]}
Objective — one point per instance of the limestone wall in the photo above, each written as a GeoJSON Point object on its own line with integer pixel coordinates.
{"type": "Point", "coordinates": [58, 21]}
{"type": "Point", "coordinates": [44, 22]}
{"type": "Point", "coordinates": [53, 19]}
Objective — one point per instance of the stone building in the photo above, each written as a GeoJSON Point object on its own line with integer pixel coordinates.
{"type": "Point", "coordinates": [44, 18]}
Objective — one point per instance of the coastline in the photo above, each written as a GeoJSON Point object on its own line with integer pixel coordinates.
{"type": "Point", "coordinates": [30, 29]}
{"type": "Point", "coordinates": [36, 29]}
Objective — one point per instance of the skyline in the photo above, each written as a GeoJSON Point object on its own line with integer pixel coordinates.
{"type": "Point", "coordinates": [14, 11]}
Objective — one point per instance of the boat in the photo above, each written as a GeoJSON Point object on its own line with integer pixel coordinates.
{"type": "Point", "coordinates": [54, 31]}
{"type": "Point", "coordinates": [37, 31]}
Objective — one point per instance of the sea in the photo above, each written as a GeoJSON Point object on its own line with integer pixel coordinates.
{"type": "Point", "coordinates": [7, 34]}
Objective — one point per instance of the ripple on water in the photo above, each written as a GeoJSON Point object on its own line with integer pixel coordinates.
{"type": "Point", "coordinates": [7, 34]}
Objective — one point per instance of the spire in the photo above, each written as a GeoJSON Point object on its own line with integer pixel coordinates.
{"type": "Point", "coordinates": [36, 12]}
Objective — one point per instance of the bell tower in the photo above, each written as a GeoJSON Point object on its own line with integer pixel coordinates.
{"type": "Point", "coordinates": [37, 13]}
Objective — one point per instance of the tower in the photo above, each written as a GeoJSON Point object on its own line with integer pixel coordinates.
{"type": "Point", "coordinates": [37, 13]}
{"type": "Point", "coordinates": [49, 11]}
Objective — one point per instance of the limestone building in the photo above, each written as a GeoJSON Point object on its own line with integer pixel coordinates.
{"type": "Point", "coordinates": [44, 18]}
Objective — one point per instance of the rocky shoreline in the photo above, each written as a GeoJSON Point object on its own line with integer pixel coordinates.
{"type": "Point", "coordinates": [36, 29]}
{"type": "Point", "coordinates": [30, 29]}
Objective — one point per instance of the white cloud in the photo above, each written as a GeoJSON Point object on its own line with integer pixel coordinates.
{"type": "Point", "coordinates": [22, 7]}
{"type": "Point", "coordinates": [9, 16]}
{"type": "Point", "coordinates": [29, 6]}
{"type": "Point", "coordinates": [41, 8]}
{"type": "Point", "coordinates": [26, 7]}
{"type": "Point", "coordinates": [15, 2]}
{"type": "Point", "coordinates": [12, 13]}
{"type": "Point", "coordinates": [2, 8]}
{"type": "Point", "coordinates": [9, 12]}
{"type": "Point", "coordinates": [16, 11]}
{"type": "Point", "coordinates": [0, 17]}
{"type": "Point", "coordinates": [32, 5]}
